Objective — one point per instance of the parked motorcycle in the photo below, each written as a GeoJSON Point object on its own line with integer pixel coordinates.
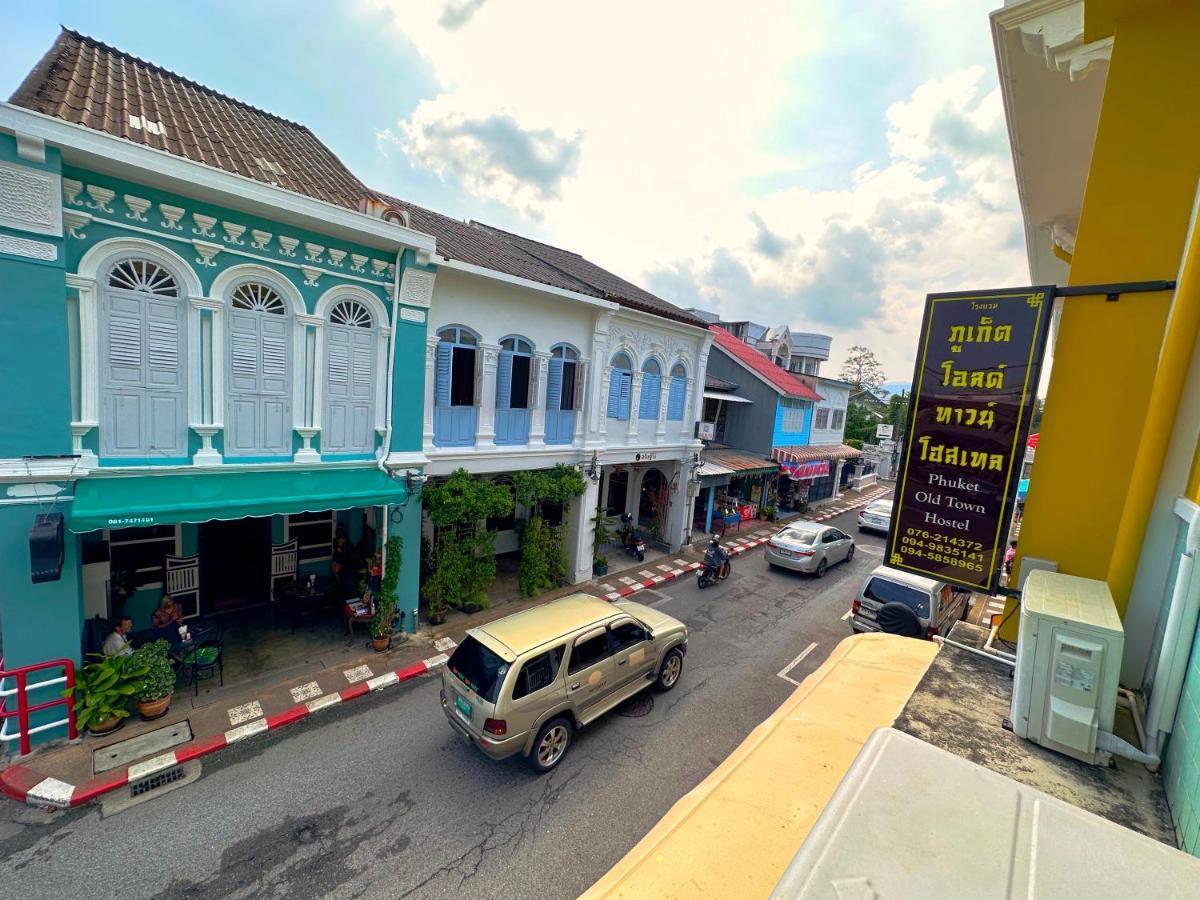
{"type": "Point", "coordinates": [717, 566]}
{"type": "Point", "coordinates": [630, 542]}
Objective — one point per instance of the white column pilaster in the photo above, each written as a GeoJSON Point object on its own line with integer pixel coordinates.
{"type": "Point", "coordinates": [837, 478]}
{"type": "Point", "coordinates": [635, 399]}
{"type": "Point", "coordinates": [579, 533]}
{"type": "Point", "coordinates": [664, 392]}
{"type": "Point", "coordinates": [538, 383]}
{"type": "Point", "coordinates": [485, 434]}
{"type": "Point", "coordinates": [431, 344]}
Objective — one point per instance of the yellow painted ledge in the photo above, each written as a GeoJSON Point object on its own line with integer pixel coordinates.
{"type": "Point", "coordinates": [735, 832]}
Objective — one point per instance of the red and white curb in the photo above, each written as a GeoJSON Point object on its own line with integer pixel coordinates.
{"type": "Point", "coordinates": [24, 784]}
{"type": "Point", "coordinates": [734, 547]}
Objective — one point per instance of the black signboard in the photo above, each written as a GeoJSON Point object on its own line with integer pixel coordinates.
{"type": "Point", "coordinates": [978, 365]}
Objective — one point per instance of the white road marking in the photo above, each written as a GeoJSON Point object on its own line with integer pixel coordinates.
{"type": "Point", "coordinates": [245, 712]}
{"type": "Point", "coordinates": [783, 673]}
{"type": "Point", "coordinates": [681, 562]}
{"type": "Point", "coordinates": [646, 573]}
{"type": "Point", "coordinates": [322, 702]}
{"type": "Point", "coordinates": [306, 692]}
{"type": "Point", "coordinates": [441, 645]}
{"type": "Point", "coordinates": [663, 567]}
{"type": "Point", "coordinates": [358, 673]}
{"type": "Point", "coordinates": [244, 731]}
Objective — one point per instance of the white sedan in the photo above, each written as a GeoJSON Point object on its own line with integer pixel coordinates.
{"type": "Point", "coordinates": [809, 547]}
{"type": "Point", "coordinates": [876, 517]}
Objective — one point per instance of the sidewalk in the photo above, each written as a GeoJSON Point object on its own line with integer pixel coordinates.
{"type": "Point", "coordinates": [67, 775]}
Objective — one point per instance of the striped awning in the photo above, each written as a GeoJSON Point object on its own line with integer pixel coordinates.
{"type": "Point", "coordinates": [812, 453]}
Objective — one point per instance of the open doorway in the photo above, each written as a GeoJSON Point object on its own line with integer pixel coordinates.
{"type": "Point", "coordinates": [235, 564]}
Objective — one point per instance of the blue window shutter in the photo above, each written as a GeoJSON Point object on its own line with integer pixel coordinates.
{"type": "Point", "coordinates": [626, 390]}
{"type": "Point", "coordinates": [651, 392]}
{"type": "Point", "coordinates": [675, 399]}
{"type": "Point", "coordinates": [554, 385]}
{"type": "Point", "coordinates": [614, 395]}
{"type": "Point", "coordinates": [445, 360]}
{"type": "Point", "coordinates": [504, 380]}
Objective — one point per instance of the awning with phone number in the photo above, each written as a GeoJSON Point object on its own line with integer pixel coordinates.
{"type": "Point", "coordinates": [123, 501]}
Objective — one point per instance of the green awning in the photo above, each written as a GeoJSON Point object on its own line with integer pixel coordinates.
{"type": "Point", "coordinates": [135, 501]}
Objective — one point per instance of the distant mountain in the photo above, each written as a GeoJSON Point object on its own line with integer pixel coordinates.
{"type": "Point", "coordinates": [895, 387]}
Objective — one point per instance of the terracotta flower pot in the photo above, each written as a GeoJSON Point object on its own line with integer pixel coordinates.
{"type": "Point", "coordinates": [153, 709]}
{"type": "Point", "coordinates": [436, 618]}
{"type": "Point", "coordinates": [380, 644]}
{"type": "Point", "coordinates": [106, 726]}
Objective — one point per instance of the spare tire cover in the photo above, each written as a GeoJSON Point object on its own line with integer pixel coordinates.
{"type": "Point", "coordinates": [896, 618]}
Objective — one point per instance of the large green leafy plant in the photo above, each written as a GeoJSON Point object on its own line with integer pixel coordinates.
{"type": "Point", "coordinates": [103, 688]}
{"type": "Point", "coordinates": [159, 680]}
{"type": "Point", "coordinates": [543, 562]}
{"type": "Point", "coordinates": [463, 558]}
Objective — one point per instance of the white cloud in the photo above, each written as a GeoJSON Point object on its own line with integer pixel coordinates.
{"type": "Point", "coordinates": [629, 131]}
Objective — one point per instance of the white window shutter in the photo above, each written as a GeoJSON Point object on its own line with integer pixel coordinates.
{"type": "Point", "coordinates": [580, 383]}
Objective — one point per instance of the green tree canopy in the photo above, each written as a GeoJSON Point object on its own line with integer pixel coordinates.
{"type": "Point", "coordinates": [862, 368]}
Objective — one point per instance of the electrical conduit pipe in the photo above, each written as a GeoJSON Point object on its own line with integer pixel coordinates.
{"type": "Point", "coordinates": [381, 460]}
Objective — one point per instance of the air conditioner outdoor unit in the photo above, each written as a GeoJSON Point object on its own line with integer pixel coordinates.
{"type": "Point", "coordinates": [1068, 662]}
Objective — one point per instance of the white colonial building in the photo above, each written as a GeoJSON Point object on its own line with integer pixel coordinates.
{"type": "Point", "coordinates": [536, 357]}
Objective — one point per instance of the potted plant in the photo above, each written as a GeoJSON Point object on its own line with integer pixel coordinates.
{"type": "Point", "coordinates": [385, 601]}
{"type": "Point", "coordinates": [154, 691]}
{"type": "Point", "coordinates": [768, 512]}
{"type": "Point", "coordinates": [599, 566]}
{"type": "Point", "coordinates": [102, 691]}
{"type": "Point", "coordinates": [602, 536]}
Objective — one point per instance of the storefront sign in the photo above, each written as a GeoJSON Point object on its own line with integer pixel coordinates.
{"type": "Point", "coordinates": [978, 364]}
{"type": "Point", "coordinates": [643, 457]}
{"type": "Point", "coordinates": [883, 431]}
{"type": "Point", "coordinates": [806, 470]}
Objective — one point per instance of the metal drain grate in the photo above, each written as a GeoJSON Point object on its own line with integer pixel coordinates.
{"type": "Point", "coordinates": [155, 781]}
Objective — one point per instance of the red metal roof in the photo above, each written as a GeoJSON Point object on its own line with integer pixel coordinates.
{"type": "Point", "coordinates": [780, 379]}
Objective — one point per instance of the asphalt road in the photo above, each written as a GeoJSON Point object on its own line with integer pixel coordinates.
{"type": "Point", "coordinates": [379, 798]}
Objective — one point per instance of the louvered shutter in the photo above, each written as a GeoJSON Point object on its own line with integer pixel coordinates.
{"type": "Point", "coordinates": [363, 375]}
{"type": "Point", "coordinates": [445, 362]}
{"type": "Point", "coordinates": [651, 392]}
{"type": "Point", "coordinates": [337, 363]}
{"type": "Point", "coordinates": [504, 380]}
{"type": "Point", "coordinates": [614, 394]}
{"type": "Point", "coordinates": [554, 383]}
{"type": "Point", "coordinates": [626, 393]}
{"type": "Point", "coordinates": [477, 394]}
{"type": "Point", "coordinates": [580, 382]}
{"type": "Point", "coordinates": [243, 352]}
{"type": "Point", "coordinates": [165, 416]}
{"type": "Point", "coordinates": [675, 399]}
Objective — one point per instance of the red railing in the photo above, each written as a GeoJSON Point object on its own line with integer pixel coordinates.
{"type": "Point", "coordinates": [21, 675]}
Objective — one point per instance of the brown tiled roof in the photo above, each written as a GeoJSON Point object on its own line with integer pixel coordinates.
{"type": "Point", "coordinates": [83, 81]}
{"type": "Point", "coordinates": [512, 254]}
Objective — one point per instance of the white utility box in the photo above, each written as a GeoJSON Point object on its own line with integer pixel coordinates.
{"type": "Point", "coordinates": [1068, 661]}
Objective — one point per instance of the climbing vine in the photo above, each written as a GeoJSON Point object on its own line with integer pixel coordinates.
{"type": "Point", "coordinates": [462, 556]}
{"type": "Point", "coordinates": [543, 561]}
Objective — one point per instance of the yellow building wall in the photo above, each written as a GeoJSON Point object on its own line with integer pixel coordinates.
{"type": "Point", "coordinates": [1140, 188]}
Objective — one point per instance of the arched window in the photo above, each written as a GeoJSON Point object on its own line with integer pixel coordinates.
{"type": "Point", "coordinates": [648, 403]}
{"type": "Point", "coordinates": [513, 375]}
{"type": "Point", "coordinates": [456, 387]}
{"type": "Point", "coordinates": [677, 393]}
{"type": "Point", "coordinates": [351, 342]}
{"type": "Point", "coordinates": [258, 405]}
{"type": "Point", "coordinates": [620, 388]}
{"type": "Point", "coordinates": [143, 350]}
{"type": "Point", "coordinates": [564, 393]}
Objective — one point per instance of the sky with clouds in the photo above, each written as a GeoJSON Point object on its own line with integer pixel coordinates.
{"type": "Point", "coordinates": [820, 164]}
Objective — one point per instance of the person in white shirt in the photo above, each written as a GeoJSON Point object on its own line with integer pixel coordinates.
{"type": "Point", "coordinates": [117, 644]}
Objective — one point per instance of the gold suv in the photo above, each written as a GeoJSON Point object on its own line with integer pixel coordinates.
{"type": "Point", "coordinates": [526, 683]}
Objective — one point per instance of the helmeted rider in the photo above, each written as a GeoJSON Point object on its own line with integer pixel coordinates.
{"type": "Point", "coordinates": [715, 556]}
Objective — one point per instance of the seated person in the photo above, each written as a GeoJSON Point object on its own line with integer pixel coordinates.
{"type": "Point", "coordinates": [168, 615]}
{"type": "Point", "coordinates": [715, 555]}
{"type": "Point", "coordinates": [117, 644]}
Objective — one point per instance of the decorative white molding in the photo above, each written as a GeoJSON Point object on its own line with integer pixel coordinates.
{"type": "Point", "coordinates": [312, 252]}
{"type": "Point", "coordinates": [37, 470]}
{"type": "Point", "coordinates": [204, 224]}
{"type": "Point", "coordinates": [357, 262]}
{"type": "Point", "coordinates": [101, 197]}
{"type": "Point", "coordinates": [424, 257]}
{"type": "Point", "coordinates": [311, 275]}
{"type": "Point", "coordinates": [391, 270]}
{"type": "Point", "coordinates": [416, 287]}
{"type": "Point", "coordinates": [79, 430]}
{"type": "Point", "coordinates": [207, 252]}
{"type": "Point", "coordinates": [30, 200]}
{"type": "Point", "coordinates": [336, 257]}
{"type": "Point", "coordinates": [210, 303]}
{"type": "Point", "coordinates": [412, 315]}
{"type": "Point", "coordinates": [233, 233]}
{"type": "Point", "coordinates": [171, 216]}
{"type": "Point", "coordinates": [30, 148]}
{"type": "Point", "coordinates": [207, 455]}
{"type": "Point", "coordinates": [24, 247]}
{"type": "Point", "coordinates": [71, 190]}
{"type": "Point", "coordinates": [75, 220]}
{"type": "Point", "coordinates": [310, 319]}
{"type": "Point", "coordinates": [260, 239]}
{"type": "Point", "coordinates": [137, 208]}
{"type": "Point", "coordinates": [378, 266]}
{"type": "Point", "coordinates": [385, 331]}
{"type": "Point", "coordinates": [306, 453]}
{"type": "Point", "coordinates": [288, 245]}
{"type": "Point", "coordinates": [1056, 37]}
{"type": "Point", "coordinates": [1063, 234]}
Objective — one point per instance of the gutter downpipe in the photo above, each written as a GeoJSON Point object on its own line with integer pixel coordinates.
{"type": "Point", "coordinates": [381, 460]}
